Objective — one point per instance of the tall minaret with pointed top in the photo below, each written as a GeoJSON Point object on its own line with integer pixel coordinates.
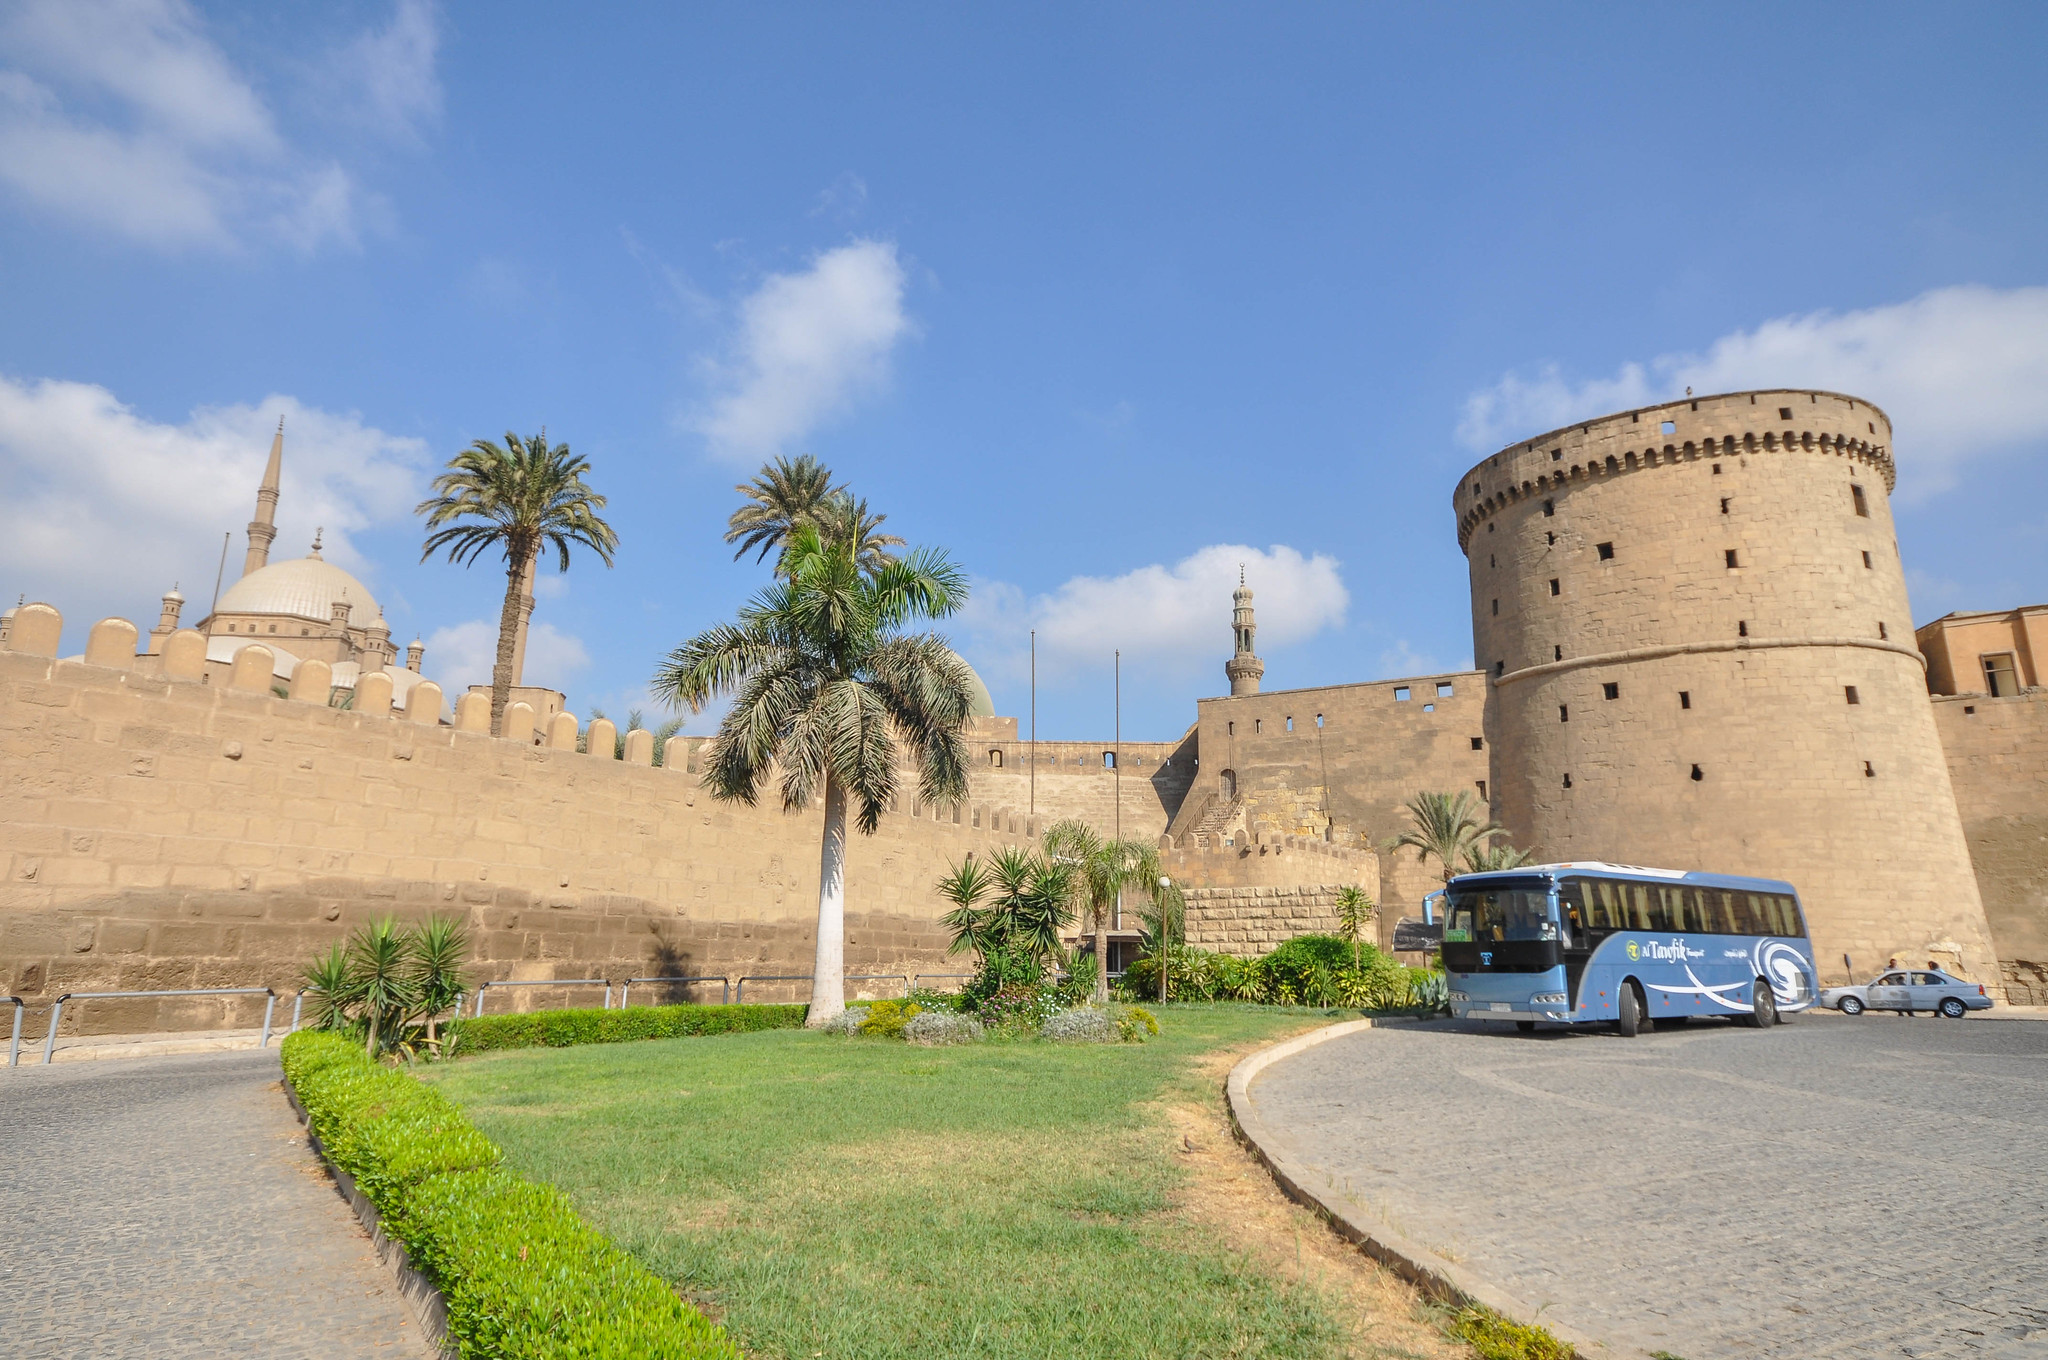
{"type": "Point", "coordinates": [263, 528]}
{"type": "Point", "coordinates": [1244, 668]}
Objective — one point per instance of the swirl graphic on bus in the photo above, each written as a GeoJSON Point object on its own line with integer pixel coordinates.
{"type": "Point", "coordinates": [1786, 969]}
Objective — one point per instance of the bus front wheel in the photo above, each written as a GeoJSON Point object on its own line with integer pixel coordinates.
{"type": "Point", "coordinates": [1628, 1012]}
{"type": "Point", "coordinates": [1763, 1005]}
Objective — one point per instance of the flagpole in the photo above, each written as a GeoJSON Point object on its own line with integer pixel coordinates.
{"type": "Point", "coordinates": [1034, 723]}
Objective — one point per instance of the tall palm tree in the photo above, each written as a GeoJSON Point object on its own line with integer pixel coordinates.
{"type": "Point", "coordinates": [1102, 869]}
{"type": "Point", "coordinates": [522, 497]}
{"type": "Point", "coordinates": [1446, 826]}
{"type": "Point", "coordinates": [844, 517]}
{"type": "Point", "coordinates": [824, 683]}
{"type": "Point", "coordinates": [786, 494]}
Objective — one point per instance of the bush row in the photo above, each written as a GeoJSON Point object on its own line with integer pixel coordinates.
{"type": "Point", "coordinates": [523, 1276]}
{"type": "Point", "coordinates": [561, 1029]}
{"type": "Point", "coordinates": [1308, 970]}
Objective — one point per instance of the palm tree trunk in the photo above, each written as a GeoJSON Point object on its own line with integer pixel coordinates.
{"type": "Point", "coordinates": [828, 973]}
{"type": "Point", "coordinates": [516, 563]}
{"type": "Point", "coordinates": [1101, 955]}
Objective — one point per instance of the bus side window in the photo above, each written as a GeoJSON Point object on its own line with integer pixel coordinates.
{"type": "Point", "coordinates": [1571, 913]}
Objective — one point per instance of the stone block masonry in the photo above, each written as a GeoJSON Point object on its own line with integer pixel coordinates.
{"type": "Point", "coordinates": [1998, 761]}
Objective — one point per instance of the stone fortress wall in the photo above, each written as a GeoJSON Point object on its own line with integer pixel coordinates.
{"type": "Point", "coordinates": [160, 831]}
{"type": "Point", "coordinates": [1695, 627]}
{"type": "Point", "coordinates": [1338, 763]}
{"type": "Point", "coordinates": [1998, 762]}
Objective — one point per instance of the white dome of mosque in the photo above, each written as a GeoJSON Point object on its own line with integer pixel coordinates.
{"type": "Point", "coordinates": [979, 703]}
{"type": "Point", "coordinates": [307, 587]}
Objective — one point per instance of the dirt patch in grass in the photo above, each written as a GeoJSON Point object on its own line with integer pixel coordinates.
{"type": "Point", "coordinates": [1230, 1193]}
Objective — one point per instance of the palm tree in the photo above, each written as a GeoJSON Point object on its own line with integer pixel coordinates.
{"type": "Point", "coordinates": [1102, 869]}
{"type": "Point", "coordinates": [1492, 858]}
{"type": "Point", "coordinates": [439, 945]}
{"type": "Point", "coordinates": [844, 517]}
{"type": "Point", "coordinates": [1445, 828]}
{"type": "Point", "coordinates": [1355, 910]}
{"type": "Point", "coordinates": [784, 496]}
{"type": "Point", "coordinates": [824, 683]}
{"type": "Point", "coordinates": [522, 497]}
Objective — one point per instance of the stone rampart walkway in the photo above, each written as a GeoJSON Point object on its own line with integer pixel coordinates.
{"type": "Point", "coordinates": [1873, 1188]}
{"type": "Point", "coordinates": [170, 1207]}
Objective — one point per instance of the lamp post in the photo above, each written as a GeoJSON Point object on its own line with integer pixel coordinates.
{"type": "Point", "coordinates": [1165, 930]}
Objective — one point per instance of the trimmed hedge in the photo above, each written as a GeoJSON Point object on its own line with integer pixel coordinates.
{"type": "Point", "coordinates": [562, 1029]}
{"type": "Point", "coordinates": [524, 1277]}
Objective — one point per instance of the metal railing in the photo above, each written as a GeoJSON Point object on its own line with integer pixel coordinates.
{"type": "Point", "coordinates": [916, 978]}
{"type": "Point", "coordinates": [740, 996]}
{"type": "Point", "coordinates": [14, 1044]}
{"type": "Point", "coordinates": [57, 1011]}
{"type": "Point", "coordinates": [724, 984]}
{"type": "Point", "coordinates": [605, 983]}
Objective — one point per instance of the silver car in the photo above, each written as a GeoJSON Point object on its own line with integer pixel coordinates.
{"type": "Point", "coordinates": [1910, 990]}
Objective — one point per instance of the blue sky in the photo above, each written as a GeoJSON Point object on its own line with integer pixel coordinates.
{"type": "Point", "coordinates": [1105, 299]}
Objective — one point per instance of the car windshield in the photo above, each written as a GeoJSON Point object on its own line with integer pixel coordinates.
{"type": "Point", "coordinates": [1494, 915]}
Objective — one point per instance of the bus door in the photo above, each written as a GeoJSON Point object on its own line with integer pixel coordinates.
{"type": "Point", "coordinates": [1575, 943]}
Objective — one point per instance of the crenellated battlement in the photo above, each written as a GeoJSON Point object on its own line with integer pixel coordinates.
{"type": "Point", "coordinates": [1728, 425]}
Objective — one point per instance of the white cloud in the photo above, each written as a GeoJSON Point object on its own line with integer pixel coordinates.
{"type": "Point", "coordinates": [1963, 372]}
{"type": "Point", "coordinates": [808, 346]}
{"type": "Point", "coordinates": [392, 71]}
{"type": "Point", "coordinates": [463, 655]}
{"type": "Point", "coordinates": [105, 509]}
{"type": "Point", "coordinates": [1401, 659]}
{"type": "Point", "coordinates": [126, 115]}
{"type": "Point", "coordinates": [1163, 618]}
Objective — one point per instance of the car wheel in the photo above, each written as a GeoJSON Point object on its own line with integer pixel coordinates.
{"type": "Point", "coordinates": [1525, 1026]}
{"type": "Point", "coordinates": [1763, 1005]}
{"type": "Point", "coordinates": [1628, 1012]}
{"type": "Point", "coordinates": [1953, 1008]}
{"type": "Point", "coordinates": [1849, 1005]}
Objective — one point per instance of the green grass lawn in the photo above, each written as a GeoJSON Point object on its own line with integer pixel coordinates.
{"type": "Point", "coordinates": [856, 1198]}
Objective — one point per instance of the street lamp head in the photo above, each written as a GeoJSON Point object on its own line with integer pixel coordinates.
{"type": "Point", "coordinates": [1165, 882]}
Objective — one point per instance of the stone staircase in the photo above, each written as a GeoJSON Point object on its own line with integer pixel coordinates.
{"type": "Point", "coordinates": [1219, 822]}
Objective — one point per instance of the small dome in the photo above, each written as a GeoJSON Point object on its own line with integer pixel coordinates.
{"type": "Point", "coordinates": [979, 704]}
{"type": "Point", "coordinates": [306, 588]}
{"type": "Point", "coordinates": [172, 594]}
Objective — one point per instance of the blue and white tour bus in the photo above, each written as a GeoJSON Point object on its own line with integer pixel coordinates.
{"type": "Point", "coordinates": [1592, 943]}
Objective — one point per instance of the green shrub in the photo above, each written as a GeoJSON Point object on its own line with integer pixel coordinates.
{"type": "Point", "coordinates": [565, 1028]}
{"type": "Point", "coordinates": [887, 1018]}
{"type": "Point", "coordinates": [1496, 1338]}
{"type": "Point", "coordinates": [1135, 1024]}
{"type": "Point", "coordinates": [522, 1275]}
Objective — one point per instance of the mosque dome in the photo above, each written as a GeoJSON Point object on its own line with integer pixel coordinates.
{"type": "Point", "coordinates": [979, 703]}
{"type": "Point", "coordinates": [307, 588]}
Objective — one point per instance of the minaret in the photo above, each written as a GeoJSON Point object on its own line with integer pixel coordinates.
{"type": "Point", "coordinates": [1245, 668]}
{"type": "Point", "coordinates": [263, 528]}
{"type": "Point", "coordinates": [167, 618]}
{"type": "Point", "coordinates": [413, 654]}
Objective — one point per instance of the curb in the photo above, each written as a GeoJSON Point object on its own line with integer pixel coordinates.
{"type": "Point", "coordinates": [429, 1308]}
{"type": "Point", "coordinates": [1353, 1221]}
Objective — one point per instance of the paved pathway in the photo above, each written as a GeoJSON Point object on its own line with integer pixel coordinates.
{"type": "Point", "coordinates": [1874, 1188]}
{"type": "Point", "coordinates": [169, 1208]}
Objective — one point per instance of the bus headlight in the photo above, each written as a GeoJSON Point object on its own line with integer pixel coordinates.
{"type": "Point", "coordinates": [1548, 999]}
{"type": "Point", "coordinates": [1459, 996]}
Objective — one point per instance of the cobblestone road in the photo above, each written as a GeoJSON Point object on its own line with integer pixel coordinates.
{"type": "Point", "coordinates": [1874, 1188]}
{"type": "Point", "coordinates": [170, 1208]}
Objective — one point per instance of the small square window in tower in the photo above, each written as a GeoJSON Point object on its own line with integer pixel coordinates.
{"type": "Point", "coordinates": [1400, 694]}
{"type": "Point", "coordinates": [1443, 689]}
{"type": "Point", "coordinates": [1611, 690]}
{"type": "Point", "coordinates": [1685, 698]}
{"type": "Point", "coordinates": [1724, 505]}
{"type": "Point", "coordinates": [1606, 551]}
{"type": "Point", "coordinates": [1553, 586]}
{"type": "Point", "coordinates": [1849, 693]}
{"type": "Point", "coordinates": [1866, 560]}
{"type": "Point", "coordinates": [995, 758]}
{"type": "Point", "coordinates": [1550, 507]}
{"type": "Point", "coordinates": [1496, 608]}
{"type": "Point", "coordinates": [2001, 676]}
{"type": "Point", "coordinates": [1290, 724]}
{"type": "Point", "coordinates": [1729, 555]}
{"type": "Point", "coordinates": [1857, 499]}
{"type": "Point", "coordinates": [1669, 427]}
{"type": "Point", "coordinates": [1564, 712]}
{"type": "Point", "coordinates": [1258, 726]}
{"type": "Point", "coordinates": [1784, 413]}
{"type": "Point", "coordinates": [1479, 743]}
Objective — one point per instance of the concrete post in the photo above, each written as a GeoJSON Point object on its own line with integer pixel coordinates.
{"type": "Point", "coordinates": [373, 694]}
{"type": "Point", "coordinates": [518, 721]}
{"type": "Point", "coordinates": [36, 630]}
{"type": "Point", "coordinates": [640, 747]}
{"type": "Point", "coordinates": [473, 713]}
{"type": "Point", "coordinates": [603, 739]}
{"type": "Point", "coordinates": [562, 732]}
{"type": "Point", "coordinates": [423, 704]}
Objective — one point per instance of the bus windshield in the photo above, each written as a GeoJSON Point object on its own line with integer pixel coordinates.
{"type": "Point", "coordinates": [1497, 915]}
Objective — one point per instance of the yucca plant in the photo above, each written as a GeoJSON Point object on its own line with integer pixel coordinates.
{"type": "Point", "coordinates": [439, 945]}
{"type": "Point", "coordinates": [383, 984]}
{"type": "Point", "coordinates": [327, 981]}
{"type": "Point", "coordinates": [1355, 911]}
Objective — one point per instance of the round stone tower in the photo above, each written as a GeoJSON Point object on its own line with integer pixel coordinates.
{"type": "Point", "coordinates": [1694, 625]}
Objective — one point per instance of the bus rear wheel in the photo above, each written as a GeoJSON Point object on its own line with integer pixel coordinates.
{"type": "Point", "coordinates": [1763, 1005]}
{"type": "Point", "coordinates": [1628, 1012]}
